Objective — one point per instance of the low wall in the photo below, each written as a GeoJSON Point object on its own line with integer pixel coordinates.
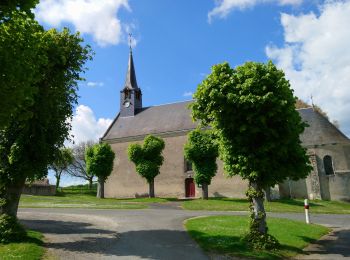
{"type": "Point", "coordinates": [37, 189]}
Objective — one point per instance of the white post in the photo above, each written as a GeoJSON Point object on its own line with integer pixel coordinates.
{"type": "Point", "coordinates": [306, 207]}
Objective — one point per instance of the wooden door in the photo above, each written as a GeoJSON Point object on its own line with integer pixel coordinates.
{"type": "Point", "coordinates": [190, 188]}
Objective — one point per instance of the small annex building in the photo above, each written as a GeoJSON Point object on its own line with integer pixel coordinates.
{"type": "Point", "coordinates": [328, 147]}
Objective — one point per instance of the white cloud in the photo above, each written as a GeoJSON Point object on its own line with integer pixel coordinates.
{"type": "Point", "coordinates": [95, 17]}
{"type": "Point", "coordinates": [224, 7]}
{"type": "Point", "coordinates": [188, 94]}
{"type": "Point", "coordinates": [94, 84]}
{"type": "Point", "coordinates": [316, 58]}
{"type": "Point", "coordinates": [86, 127]}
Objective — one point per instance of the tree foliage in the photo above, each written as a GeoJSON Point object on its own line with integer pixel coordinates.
{"type": "Point", "coordinates": [10, 229]}
{"type": "Point", "coordinates": [148, 158]}
{"type": "Point", "coordinates": [252, 111]}
{"type": "Point", "coordinates": [20, 63]}
{"type": "Point", "coordinates": [202, 150]}
{"type": "Point", "coordinates": [99, 162]}
{"type": "Point", "coordinates": [8, 7]}
{"type": "Point", "coordinates": [28, 145]}
{"type": "Point", "coordinates": [63, 159]}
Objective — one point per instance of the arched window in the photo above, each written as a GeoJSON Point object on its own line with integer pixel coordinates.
{"type": "Point", "coordinates": [188, 166]}
{"type": "Point", "coordinates": [328, 165]}
{"type": "Point", "coordinates": [127, 93]}
{"type": "Point", "coordinates": [138, 95]}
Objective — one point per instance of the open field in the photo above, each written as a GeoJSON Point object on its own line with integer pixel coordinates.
{"type": "Point", "coordinates": [82, 198]}
{"type": "Point", "coordinates": [283, 205]}
{"type": "Point", "coordinates": [29, 249]}
{"type": "Point", "coordinates": [222, 235]}
{"type": "Point", "coordinates": [78, 200]}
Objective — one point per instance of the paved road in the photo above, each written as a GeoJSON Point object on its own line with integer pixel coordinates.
{"type": "Point", "coordinates": [156, 233]}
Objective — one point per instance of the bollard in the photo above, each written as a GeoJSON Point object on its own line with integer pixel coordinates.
{"type": "Point", "coordinates": [306, 207]}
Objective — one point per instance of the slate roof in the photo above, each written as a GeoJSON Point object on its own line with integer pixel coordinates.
{"type": "Point", "coordinates": [176, 118]}
{"type": "Point", "coordinates": [130, 79]}
{"type": "Point", "coordinates": [152, 120]}
{"type": "Point", "coordinates": [320, 130]}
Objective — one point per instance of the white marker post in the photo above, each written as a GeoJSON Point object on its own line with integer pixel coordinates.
{"type": "Point", "coordinates": [306, 207]}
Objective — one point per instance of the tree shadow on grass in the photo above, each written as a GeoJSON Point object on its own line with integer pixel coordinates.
{"type": "Point", "coordinates": [235, 246]}
{"type": "Point", "coordinates": [29, 238]}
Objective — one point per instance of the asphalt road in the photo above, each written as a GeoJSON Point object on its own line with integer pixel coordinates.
{"type": "Point", "coordinates": [156, 233]}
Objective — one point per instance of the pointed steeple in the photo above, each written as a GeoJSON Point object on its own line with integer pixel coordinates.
{"type": "Point", "coordinates": [130, 79]}
{"type": "Point", "coordinates": [131, 94]}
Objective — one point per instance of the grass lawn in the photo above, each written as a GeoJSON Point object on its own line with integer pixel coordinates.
{"type": "Point", "coordinates": [222, 235]}
{"type": "Point", "coordinates": [29, 249]}
{"type": "Point", "coordinates": [78, 200]}
{"type": "Point", "coordinates": [283, 205]}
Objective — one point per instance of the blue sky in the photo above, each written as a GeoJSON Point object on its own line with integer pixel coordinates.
{"type": "Point", "coordinates": [176, 42]}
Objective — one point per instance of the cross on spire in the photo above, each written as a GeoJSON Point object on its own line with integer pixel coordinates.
{"type": "Point", "coordinates": [312, 101]}
{"type": "Point", "coordinates": [130, 41]}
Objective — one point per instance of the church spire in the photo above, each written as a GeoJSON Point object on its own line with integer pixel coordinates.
{"type": "Point", "coordinates": [130, 95]}
{"type": "Point", "coordinates": [130, 80]}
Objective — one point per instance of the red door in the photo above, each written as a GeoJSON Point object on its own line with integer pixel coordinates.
{"type": "Point", "coordinates": [190, 188]}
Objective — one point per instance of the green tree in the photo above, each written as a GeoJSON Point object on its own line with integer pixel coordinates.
{"type": "Point", "coordinates": [8, 7]}
{"type": "Point", "coordinates": [20, 63]}
{"type": "Point", "coordinates": [252, 111]}
{"type": "Point", "coordinates": [202, 150]}
{"type": "Point", "coordinates": [62, 160]}
{"type": "Point", "coordinates": [28, 146]}
{"type": "Point", "coordinates": [99, 162]}
{"type": "Point", "coordinates": [148, 159]}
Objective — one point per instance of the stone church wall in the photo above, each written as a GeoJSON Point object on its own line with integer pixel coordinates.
{"type": "Point", "coordinates": [323, 186]}
{"type": "Point", "coordinates": [334, 187]}
{"type": "Point", "coordinates": [124, 182]}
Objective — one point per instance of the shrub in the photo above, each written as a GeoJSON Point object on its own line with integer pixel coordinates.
{"type": "Point", "coordinates": [10, 229]}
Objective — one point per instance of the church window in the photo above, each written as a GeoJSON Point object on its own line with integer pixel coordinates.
{"type": "Point", "coordinates": [127, 93]}
{"type": "Point", "coordinates": [328, 165]}
{"type": "Point", "coordinates": [138, 95]}
{"type": "Point", "coordinates": [188, 166]}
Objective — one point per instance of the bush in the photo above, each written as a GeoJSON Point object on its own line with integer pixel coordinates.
{"type": "Point", "coordinates": [10, 229]}
{"type": "Point", "coordinates": [261, 241]}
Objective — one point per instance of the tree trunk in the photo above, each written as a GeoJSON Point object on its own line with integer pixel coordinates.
{"type": "Point", "coordinates": [151, 189]}
{"type": "Point", "coordinates": [267, 192]}
{"type": "Point", "coordinates": [12, 194]}
{"type": "Point", "coordinates": [101, 189]}
{"type": "Point", "coordinates": [205, 191]}
{"type": "Point", "coordinates": [90, 184]}
{"type": "Point", "coordinates": [58, 179]}
{"type": "Point", "coordinates": [259, 218]}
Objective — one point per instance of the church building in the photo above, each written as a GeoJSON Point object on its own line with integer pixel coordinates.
{"type": "Point", "coordinates": [328, 148]}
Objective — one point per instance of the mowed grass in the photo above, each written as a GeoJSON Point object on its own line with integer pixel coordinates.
{"type": "Point", "coordinates": [29, 249]}
{"type": "Point", "coordinates": [283, 205]}
{"type": "Point", "coordinates": [222, 235]}
{"type": "Point", "coordinates": [77, 200]}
